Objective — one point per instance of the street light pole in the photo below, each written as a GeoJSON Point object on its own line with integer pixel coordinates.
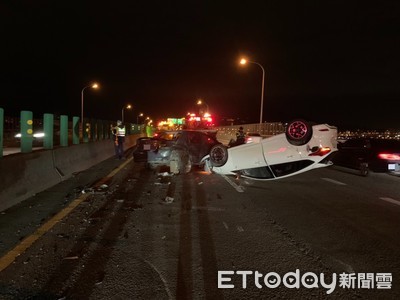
{"type": "Point", "coordinates": [94, 86]}
{"type": "Point", "coordinates": [137, 117]}
{"type": "Point", "coordinates": [122, 114]}
{"type": "Point", "coordinates": [244, 61]}
{"type": "Point", "coordinates": [200, 102]}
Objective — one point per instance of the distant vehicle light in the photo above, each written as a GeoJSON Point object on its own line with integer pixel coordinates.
{"type": "Point", "coordinates": [36, 135]}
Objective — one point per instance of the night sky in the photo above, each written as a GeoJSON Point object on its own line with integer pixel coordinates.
{"type": "Point", "coordinates": [335, 62]}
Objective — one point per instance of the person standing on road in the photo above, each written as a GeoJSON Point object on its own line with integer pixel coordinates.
{"type": "Point", "coordinates": [240, 136]}
{"type": "Point", "coordinates": [119, 139]}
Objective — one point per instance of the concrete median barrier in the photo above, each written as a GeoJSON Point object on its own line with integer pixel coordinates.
{"type": "Point", "coordinates": [23, 175]}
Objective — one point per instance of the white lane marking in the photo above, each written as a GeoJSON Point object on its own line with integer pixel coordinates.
{"type": "Point", "coordinates": [162, 279]}
{"type": "Point", "coordinates": [225, 225]}
{"type": "Point", "coordinates": [334, 181]}
{"type": "Point", "coordinates": [235, 186]}
{"type": "Point", "coordinates": [240, 228]}
{"type": "Point", "coordinates": [390, 200]}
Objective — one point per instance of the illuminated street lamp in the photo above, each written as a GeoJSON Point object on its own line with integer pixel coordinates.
{"type": "Point", "coordinates": [93, 86]}
{"type": "Point", "coordinates": [243, 62]}
{"type": "Point", "coordinates": [122, 113]}
{"type": "Point", "coordinates": [137, 118]}
{"type": "Point", "coordinates": [201, 102]}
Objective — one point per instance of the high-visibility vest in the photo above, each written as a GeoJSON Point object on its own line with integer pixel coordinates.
{"type": "Point", "coordinates": [120, 131]}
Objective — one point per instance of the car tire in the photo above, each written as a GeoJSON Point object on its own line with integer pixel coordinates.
{"type": "Point", "coordinates": [298, 132]}
{"type": "Point", "coordinates": [364, 169]}
{"type": "Point", "coordinates": [218, 155]}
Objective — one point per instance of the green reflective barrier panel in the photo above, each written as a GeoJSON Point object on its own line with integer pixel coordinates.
{"type": "Point", "coordinates": [63, 131]}
{"type": "Point", "coordinates": [48, 127]}
{"type": "Point", "coordinates": [26, 131]}
{"type": "Point", "coordinates": [75, 130]}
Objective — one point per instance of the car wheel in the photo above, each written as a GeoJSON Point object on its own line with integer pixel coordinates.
{"type": "Point", "coordinates": [218, 155]}
{"type": "Point", "coordinates": [298, 132]}
{"type": "Point", "coordinates": [364, 169]}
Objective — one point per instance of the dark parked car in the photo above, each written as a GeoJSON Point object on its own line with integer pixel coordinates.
{"type": "Point", "coordinates": [144, 144]}
{"type": "Point", "coordinates": [182, 153]}
{"type": "Point", "coordinates": [364, 154]}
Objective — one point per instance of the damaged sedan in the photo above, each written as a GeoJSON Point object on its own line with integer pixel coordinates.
{"type": "Point", "coordinates": [302, 147]}
{"type": "Point", "coordinates": [185, 150]}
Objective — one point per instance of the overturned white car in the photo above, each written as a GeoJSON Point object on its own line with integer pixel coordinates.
{"type": "Point", "coordinates": [301, 148]}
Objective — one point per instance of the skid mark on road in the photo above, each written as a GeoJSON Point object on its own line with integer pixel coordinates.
{"type": "Point", "coordinates": [235, 186]}
{"type": "Point", "coordinates": [334, 181]}
{"type": "Point", "coordinates": [390, 200]}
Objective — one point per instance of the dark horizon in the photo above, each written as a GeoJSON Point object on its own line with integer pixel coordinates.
{"type": "Point", "coordinates": [333, 62]}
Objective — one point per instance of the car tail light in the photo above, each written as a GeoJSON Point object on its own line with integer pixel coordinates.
{"type": "Point", "coordinates": [321, 151]}
{"type": "Point", "coordinates": [389, 156]}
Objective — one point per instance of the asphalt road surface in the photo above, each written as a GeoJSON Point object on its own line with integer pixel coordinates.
{"type": "Point", "coordinates": [122, 231]}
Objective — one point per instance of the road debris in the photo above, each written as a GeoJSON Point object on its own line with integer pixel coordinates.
{"type": "Point", "coordinates": [71, 257]}
{"type": "Point", "coordinates": [89, 190]}
{"type": "Point", "coordinates": [164, 174]}
{"type": "Point", "coordinates": [169, 199]}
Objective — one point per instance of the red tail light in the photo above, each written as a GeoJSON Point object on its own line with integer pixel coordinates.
{"type": "Point", "coordinates": [389, 156]}
{"type": "Point", "coordinates": [321, 151]}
